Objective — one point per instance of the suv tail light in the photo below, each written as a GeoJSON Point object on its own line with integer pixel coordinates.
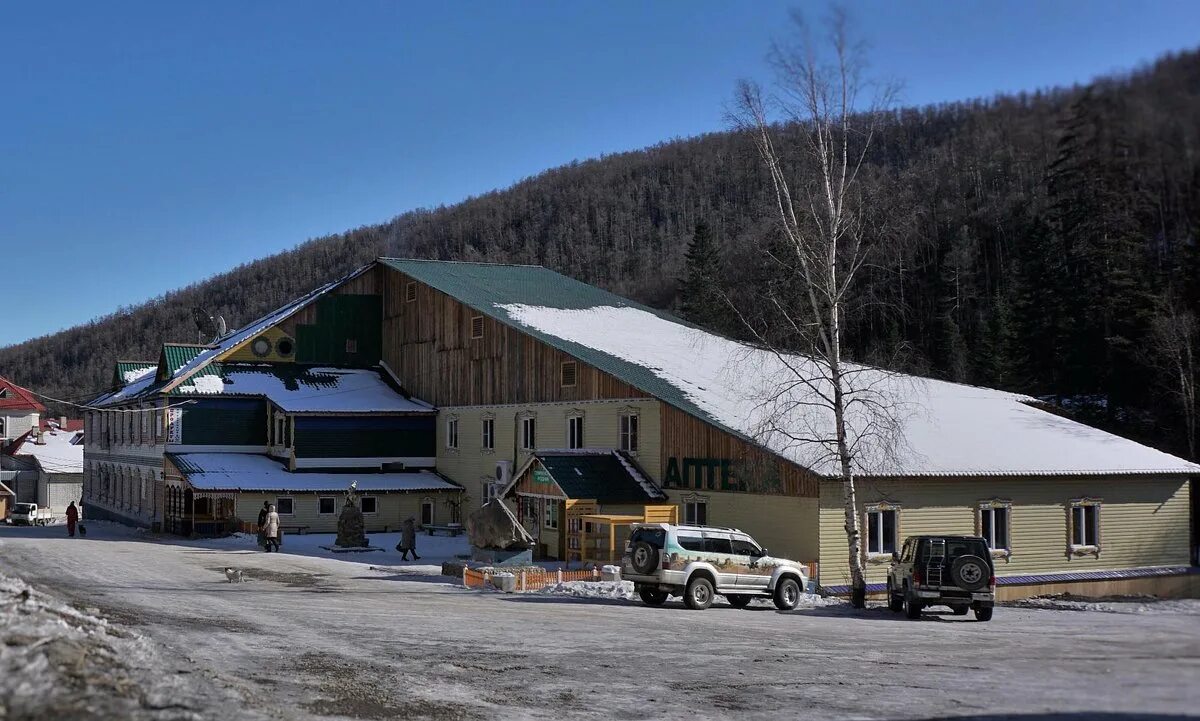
{"type": "Point", "coordinates": [992, 582]}
{"type": "Point", "coordinates": [918, 578]}
{"type": "Point", "coordinates": [665, 564]}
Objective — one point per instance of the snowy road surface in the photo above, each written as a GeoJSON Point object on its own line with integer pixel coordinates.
{"type": "Point", "coordinates": [310, 637]}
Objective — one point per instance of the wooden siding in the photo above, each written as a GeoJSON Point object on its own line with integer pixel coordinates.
{"type": "Point", "coordinates": [1143, 521]}
{"type": "Point", "coordinates": [746, 467]}
{"type": "Point", "coordinates": [428, 344]}
{"type": "Point", "coordinates": [225, 422]}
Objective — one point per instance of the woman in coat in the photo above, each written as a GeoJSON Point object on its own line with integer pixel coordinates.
{"type": "Point", "coordinates": [408, 540]}
{"type": "Point", "coordinates": [271, 529]}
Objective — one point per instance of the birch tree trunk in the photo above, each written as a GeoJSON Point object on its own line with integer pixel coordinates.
{"type": "Point", "coordinates": [823, 248]}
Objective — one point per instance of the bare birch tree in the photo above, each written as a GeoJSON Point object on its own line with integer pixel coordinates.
{"type": "Point", "coordinates": [1173, 336]}
{"type": "Point", "coordinates": [799, 315]}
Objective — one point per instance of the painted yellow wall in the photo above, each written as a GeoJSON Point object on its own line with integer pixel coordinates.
{"type": "Point", "coordinates": [393, 508]}
{"type": "Point", "coordinates": [1143, 521]}
{"type": "Point", "coordinates": [785, 525]}
{"type": "Point", "coordinates": [472, 467]}
{"type": "Point", "coordinates": [247, 355]}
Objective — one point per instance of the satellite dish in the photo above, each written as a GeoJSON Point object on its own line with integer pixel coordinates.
{"type": "Point", "coordinates": [205, 326]}
{"type": "Point", "coordinates": [222, 329]}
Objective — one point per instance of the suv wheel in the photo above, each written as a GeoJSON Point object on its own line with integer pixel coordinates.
{"type": "Point", "coordinates": [895, 600]}
{"type": "Point", "coordinates": [983, 613]}
{"type": "Point", "coordinates": [699, 593]}
{"type": "Point", "coordinates": [644, 558]}
{"type": "Point", "coordinates": [652, 596]}
{"type": "Point", "coordinates": [740, 600]}
{"type": "Point", "coordinates": [787, 593]}
{"type": "Point", "coordinates": [912, 607]}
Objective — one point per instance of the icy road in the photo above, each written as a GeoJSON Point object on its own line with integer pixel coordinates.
{"type": "Point", "coordinates": [308, 638]}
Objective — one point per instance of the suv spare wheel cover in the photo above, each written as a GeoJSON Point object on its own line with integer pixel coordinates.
{"type": "Point", "coordinates": [644, 558]}
{"type": "Point", "coordinates": [970, 572]}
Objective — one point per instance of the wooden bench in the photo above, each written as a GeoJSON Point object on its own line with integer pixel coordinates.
{"type": "Point", "coordinates": [447, 530]}
{"type": "Point", "coordinates": [298, 530]}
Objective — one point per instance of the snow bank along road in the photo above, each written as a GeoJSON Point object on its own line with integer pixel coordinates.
{"type": "Point", "coordinates": [315, 638]}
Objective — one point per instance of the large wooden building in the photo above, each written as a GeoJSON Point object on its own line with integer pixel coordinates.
{"type": "Point", "coordinates": [520, 361]}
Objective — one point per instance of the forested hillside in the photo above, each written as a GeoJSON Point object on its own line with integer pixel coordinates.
{"type": "Point", "coordinates": [1045, 243]}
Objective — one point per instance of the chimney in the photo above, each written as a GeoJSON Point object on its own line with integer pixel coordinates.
{"type": "Point", "coordinates": [62, 423]}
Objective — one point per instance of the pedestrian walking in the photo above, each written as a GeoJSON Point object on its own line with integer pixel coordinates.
{"type": "Point", "coordinates": [262, 521]}
{"type": "Point", "coordinates": [72, 518]}
{"type": "Point", "coordinates": [408, 540]}
{"type": "Point", "coordinates": [271, 529]}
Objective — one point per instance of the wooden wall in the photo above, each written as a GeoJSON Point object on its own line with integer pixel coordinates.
{"type": "Point", "coordinates": [428, 344]}
{"type": "Point", "coordinates": [749, 469]}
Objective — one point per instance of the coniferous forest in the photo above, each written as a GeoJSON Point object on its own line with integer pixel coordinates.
{"type": "Point", "coordinates": [1045, 243]}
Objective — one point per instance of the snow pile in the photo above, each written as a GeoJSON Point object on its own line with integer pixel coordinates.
{"type": "Point", "coordinates": [58, 662]}
{"type": "Point", "coordinates": [253, 472]}
{"type": "Point", "coordinates": [943, 428]}
{"type": "Point", "coordinates": [1132, 605]}
{"type": "Point", "coordinates": [137, 374]}
{"type": "Point", "coordinates": [610, 590]}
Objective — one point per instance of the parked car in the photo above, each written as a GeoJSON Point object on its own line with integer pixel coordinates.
{"type": "Point", "coordinates": [953, 571]}
{"type": "Point", "coordinates": [28, 514]}
{"type": "Point", "coordinates": [699, 562]}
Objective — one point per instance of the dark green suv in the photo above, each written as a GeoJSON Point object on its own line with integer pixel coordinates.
{"type": "Point", "coordinates": [954, 571]}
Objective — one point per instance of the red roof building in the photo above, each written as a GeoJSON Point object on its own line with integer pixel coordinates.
{"type": "Point", "coordinates": [15, 398]}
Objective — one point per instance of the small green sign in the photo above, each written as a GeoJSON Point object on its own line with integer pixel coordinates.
{"type": "Point", "coordinates": [541, 476]}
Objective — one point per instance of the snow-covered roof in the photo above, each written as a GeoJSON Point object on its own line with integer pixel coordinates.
{"type": "Point", "coordinates": [231, 340]}
{"type": "Point", "coordinates": [60, 451]}
{"type": "Point", "coordinates": [299, 389]}
{"type": "Point", "coordinates": [248, 472]}
{"type": "Point", "coordinates": [940, 428]}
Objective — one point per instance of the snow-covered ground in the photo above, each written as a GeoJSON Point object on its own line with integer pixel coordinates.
{"type": "Point", "coordinates": [310, 635]}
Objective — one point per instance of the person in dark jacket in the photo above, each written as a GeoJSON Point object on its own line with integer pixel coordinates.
{"type": "Point", "coordinates": [262, 521]}
{"type": "Point", "coordinates": [408, 540]}
{"type": "Point", "coordinates": [72, 518]}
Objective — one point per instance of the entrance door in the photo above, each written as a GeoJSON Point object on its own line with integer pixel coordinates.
{"type": "Point", "coordinates": [426, 513]}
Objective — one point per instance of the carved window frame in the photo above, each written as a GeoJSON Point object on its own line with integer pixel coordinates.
{"type": "Point", "coordinates": [881, 507]}
{"type": "Point", "coordinates": [1085, 549]}
{"type": "Point", "coordinates": [991, 504]}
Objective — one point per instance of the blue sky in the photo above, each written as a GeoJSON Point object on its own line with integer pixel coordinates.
{"type": "Point", "coordinates": [144, 146]}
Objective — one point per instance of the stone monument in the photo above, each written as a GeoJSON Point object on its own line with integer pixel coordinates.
{"type": "Point", "coordinates": [350, 523]}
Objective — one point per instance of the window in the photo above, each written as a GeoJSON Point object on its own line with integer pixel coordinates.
{"type": "Point", "coordinates": [994, 525]}
{"type": "Point", "coordinates": [1085, 524]}
{"type": "Point", "coordinates": [718, 544]}
{"type": "Point", "coordinates": [629, 432]}
{"type": "Point", "coordinates": [351, 345]}
{"type": "Point", "coordinates": [3, 427]}
{"type": "Point", "coordinates": [689, 542]}
{"type": "Point", "coordinates": [551, 514]}
{"type": "Point", "coordinates": [570, 373]}
{"type": "Point", "coordinates": [158, 424]}
{"type": "Point", "coordinates": [575, 432]}
{"type": "Point", "coordinates": [410, 292]}
{"type": "Point", "coordinates": [529, 433]}
{"type": "Point", "coordinates": [488, 440]}
{"type": "Point", "coordinates": [695, 513]}
{"type": "Point", "coordinates": [280, 425]}
{"type": "Point", "coordinates": [452, 433]}
{"type": "Point", "coordinates": [368, 504]}
{"type": "Point", "coordinates": [427, 512]}
{"type": "Point", "coordinates": [284, 506]}
{"type": "Point", "coordinates": [881, 531]}
{"type": "Point", "coordinates": [476, 327]}
{"type": "Point", "coordinates": [529, 511]}
{"type": "Point", "coordinates": [745, 547]}
{"type": "Point", "coordinates": [326, 506]}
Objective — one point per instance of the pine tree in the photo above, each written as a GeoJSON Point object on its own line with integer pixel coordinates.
{"type": "Point", "coordinates": [700, 288]}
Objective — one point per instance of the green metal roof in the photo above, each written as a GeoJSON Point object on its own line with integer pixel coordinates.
{"type": "Point", "coordinates": [124, 367]}
{"type": "Point", "coordinates": [486, 286]}
{"type": "Point", "coordinates": [598, 476]}
{"type": "Point", "coordinates": [177, 355]}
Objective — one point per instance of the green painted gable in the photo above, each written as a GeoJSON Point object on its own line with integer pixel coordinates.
{"type": "Point", "coordinates": [340, 320]}
{"type": "Point", "coordinates": [123, 367]}
{"type": "Point", "coordinates": [175, 356]}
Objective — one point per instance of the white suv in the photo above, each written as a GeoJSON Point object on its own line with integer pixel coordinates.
{"type": "Point", "coordinates": [698, 562]}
